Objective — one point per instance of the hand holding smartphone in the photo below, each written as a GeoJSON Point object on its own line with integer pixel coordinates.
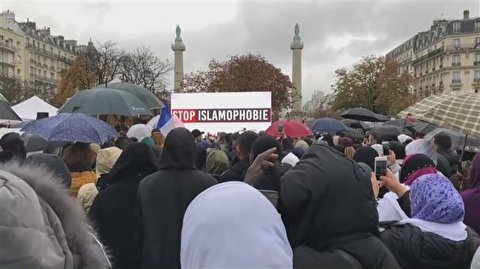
{"type": "Point", "coordinates": [380, 167]}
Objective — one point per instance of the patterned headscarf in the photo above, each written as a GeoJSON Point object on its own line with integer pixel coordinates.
{"type": "Point", "coordinates": [434, 198]}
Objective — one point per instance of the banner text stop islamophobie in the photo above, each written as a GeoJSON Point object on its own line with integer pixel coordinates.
{"type": "Point", "coordinates": [223, 115]}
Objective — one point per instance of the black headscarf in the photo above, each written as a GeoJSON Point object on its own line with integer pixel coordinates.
{"type": "Point", "coordinates": [398, 148]}
{"type": "Point", "coordinates": [263, 143]}
{"type": "Point", "coordinates": [287, 144]}
{"type": "Point", "coordinates": [366, 155]}
{"type": "Point", "coordinates": [137, 160]}
{"type": "Point", "coordinates": [55, 164]}
{"type": "Point", "coordinates": [13, 146]}
{"type": "Point", "coordinates": [201, 156]}
{"type": "Point", "coordinates": [270, 179]}
{"type": "Point", "coordinates": [179, 150]}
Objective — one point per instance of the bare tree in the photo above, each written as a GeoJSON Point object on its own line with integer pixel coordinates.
{"type": "Point", "coordinates": [106, 61]}
{"type": "Point", "coordinates": [141, 67]}
{"type": "Point", "coordinates": [11, 88]}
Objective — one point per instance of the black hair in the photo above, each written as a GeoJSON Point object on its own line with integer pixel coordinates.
{"type": "Point", "coordinates": [245, 142]}
{"type": "Point", "coordinates": [443, 141]}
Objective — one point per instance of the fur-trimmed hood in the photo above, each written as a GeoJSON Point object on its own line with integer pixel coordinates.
{"type": "Point", "coordinates": [41, 225]}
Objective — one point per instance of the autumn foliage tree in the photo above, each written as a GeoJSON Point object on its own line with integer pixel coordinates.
{"type": "Point", "coordinates": [373, 83]}
{"type": "Point", "coordinates": [243, 73]}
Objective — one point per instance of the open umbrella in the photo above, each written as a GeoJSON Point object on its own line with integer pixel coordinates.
{"type": "Point", "coordinates": [2, 98]}
{"type": "Point", "coordinates": [105, 101]}
{"type": "Point", "coordinates": [381, 117]}
{"type": "Point", "coordinates": [139, 131]}
{"type": "Point", "coordinates": [354, 134]}
{"type": "Point", "coordinates": [7, 113]}
{"type": "Point", "coordinates": [459, 112]}
{"type": "Point", "coordinates": [290, 129]}
{"type": "Point", "coordinates": [328, 125]}
{"type": "Point", "coordinates": [401, 123]}
{"type": "Point", "coordinates": [71, 127]}
{"type": "Point", "coordinates": [424, 105]}
{"type": "Point", "coordinates": [356, 124]}
{"type": "Point", "coordinates": [387, 132]}
{"type": "Point", "coordinates": [36, 143]}
{"type": "Point", "coordinates": [359, 113]}
{"type": "Point", "coordinates": [147, 97]}
{"type": "Point", "coordinates": [473, 143]}
{"type": "Point", "coordinates": [424, 127]}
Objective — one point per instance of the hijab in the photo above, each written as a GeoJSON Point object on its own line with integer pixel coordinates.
{"type": "Point", "coordinates": [137, 160]}
{"type": "Point", "coordinates": [217, 162]}
{"type": "Point", "coordinates": [414, 166]}
{"type": "Point", "coordinates": [475, 173]}
{"type": "Point", "coordinates": [263, 143]}
{"type": "Point", "coordinates": [201, 155]}
{"type": "Point", "coordinates": [422, 146]}
{"type": "Point", "coordinates": [366, 155]}
{"type": "Point", "coordinates": [437, 207]}
{"type": "Point", "coordinates": [86, 194]}
{"type": "Point", "coordinates": [245, 232]}
{"type": "Point", "coordinates": [179, 151]}
{"type": "Point", "coordinates": [106, 159]}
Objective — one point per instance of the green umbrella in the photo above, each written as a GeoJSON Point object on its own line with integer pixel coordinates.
{"type": "Point", "coordinates": [105, 101]}
{"type": "Point", "coordinates": [147, 97]}
{"type": "Point", "coordinates": [7, 113]}
{"type": "Point", "coordinates": [2, 98]}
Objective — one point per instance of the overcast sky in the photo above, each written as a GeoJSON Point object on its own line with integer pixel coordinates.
{"type": "Point", "coordinates": [335, 33]}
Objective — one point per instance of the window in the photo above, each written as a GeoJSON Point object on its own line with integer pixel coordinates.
{"type": "Point", "coordinates": [477, 26]}
{"type": "Point", "coordinates": [456, 60]}
{"type": "Point", "coordinates": [456, 43]}
{"type": "Point", "coordinates": [476, 75]}
{"type": "Point", "coordinates": [477, 59]}
{"type": "Point", "coordinates": [456, 27]}
{"type": "Point", "coordinates": [456, 77]}
{"type": "Point", "coordinates": [18, 72]}
{"type": "Point", "coordinates": [477, 42]}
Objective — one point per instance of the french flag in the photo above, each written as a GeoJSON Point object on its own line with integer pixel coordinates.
{"type": "Point", "coordinates": [167, 122]}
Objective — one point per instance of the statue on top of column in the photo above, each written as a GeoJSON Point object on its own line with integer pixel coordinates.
{"type": "Point", "coordinates": [178, 32]}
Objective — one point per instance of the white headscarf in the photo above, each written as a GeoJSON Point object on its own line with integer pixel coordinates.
{"type": "Point", "coordinates": [290, 159]}
{"type": "Point", "coordinates": [232, 225]}
{"type": "Point", "coordinates": [422, 146]}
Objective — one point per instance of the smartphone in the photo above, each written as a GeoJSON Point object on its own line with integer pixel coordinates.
{"type": "Point", "coordinates": [386, 148]}
{"type": "Point", "coordinates": [380, 167]}
{"type": "Point", "coordinates": [280, 128]}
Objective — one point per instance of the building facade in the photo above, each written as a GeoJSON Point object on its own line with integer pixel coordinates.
{"type": "Point", "coordinates": [34, 55]}
{"type": "Point", "coordinates": [443, 59]}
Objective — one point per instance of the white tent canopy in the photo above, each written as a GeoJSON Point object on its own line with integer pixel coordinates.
{"type": "Point", "coordinates": [28, 109]}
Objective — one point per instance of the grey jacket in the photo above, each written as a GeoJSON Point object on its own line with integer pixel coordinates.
{"type": "Point", "coordinates": [41, 226]}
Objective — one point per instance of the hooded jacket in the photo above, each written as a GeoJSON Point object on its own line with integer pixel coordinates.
{"type": "Point", "coordinates": [113, 210]}
{"type": "Point", "coordinates": [325, 208]}
{"type": "Point", "coordinates": [163, 198]}
{"type": "Point", "coordinates": [41, 225]}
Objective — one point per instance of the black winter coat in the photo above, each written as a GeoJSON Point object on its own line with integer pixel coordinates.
{"type": "Point", "coordinates": [423, 250]}
{"type": "Point", "coordinates": [326, 202]}
{"type": "Point", "coordinates": [163, 198]}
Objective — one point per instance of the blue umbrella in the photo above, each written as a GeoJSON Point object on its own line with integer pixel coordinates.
{"type": "Point", "coordinates": [68, 127]}
{"type": "Point", "coordinates": [327, 125]}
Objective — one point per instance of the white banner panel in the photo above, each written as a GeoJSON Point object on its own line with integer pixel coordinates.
{"type": "Point", "coordinates": [223, 112]}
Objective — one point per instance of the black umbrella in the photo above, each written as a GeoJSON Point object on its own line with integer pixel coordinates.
{"type": "Point", "coordinates": [7, 113]}
{"type": "Point", "coordinates": [387, 132]}
{"type": "Point", "coordinates": [381, 117]}
{"type": "Point", "coordinates": [473, 143]}
{"type": "Point", "coordinates": [355, 134]}
{"type": "Point", "coordinates": [359, 113]}
{"type": "Point", "coordinates": [424, 127]}
{"type": "Point", "coordinates": [356, 124]}
{"type": "Point", "coordinates": [36, 143]}
{"type": "Point", "coordinates": [327, 125]}
{"type": "Point", "coordinates": [403, 124]}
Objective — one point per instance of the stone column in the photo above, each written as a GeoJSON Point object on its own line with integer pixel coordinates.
{"type": "Point", "coordinates": [178, 48]}
{"type": "Point", "coordinates": [296, 47]}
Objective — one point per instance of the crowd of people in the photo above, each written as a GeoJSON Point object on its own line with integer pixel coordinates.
{"type": "Point", "coordinates": [241, 200]}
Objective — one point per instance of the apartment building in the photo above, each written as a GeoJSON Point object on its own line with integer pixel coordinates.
{"type": "Point", "coordinates": [443, 59]}
{"type": "Point", "coordinates": [34, 55]}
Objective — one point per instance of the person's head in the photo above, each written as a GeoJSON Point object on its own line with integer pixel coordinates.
{"type": "Point", "coordinates": [298, 152]}
{"type": "Point", "coordinates": [329, 139]}
{"type": "Point", "coordinates": [287, 144]}
{"type": "Point", "coordinates": [201, 156]}
{"type": "Point", "coordinates": [373, 138]}
{"type": "Point", "coordinates": [217, 162]}
{"type": "Point", "coordinates": [404, 139]}
{"type": "Point", "coordinates": [434, 198]}
{"type": "Point", "coordinates": [345, 141]}
{"type": "Point", "coordinates": [179, 151]}
{"type": "Point", "coordinates": [159, 139]}
{"type": "Point", "coordinates": [86, 194]}
{"type": "Point", "coordinates": [378, 148]}
{"type": "Point", "coordinates": [216, 229]}
{"type": "Point", "coordinates": [106, 159]}
{"type": "Point", "coordinates": [398, 148]}
{"type": "Point", "coordinates": [55, 164]}
{"type": "Point", "coordinates": [244, 144]}
{"type": "Point", "coordinates": [137, 160]}
{"type": "Point", "coordinates": [422, 146]}
{"type": "Point", "coordinates": [197, 135]}
{"type": "Point", "coordinates": [366, 155]}
{"type": "Point", "coordinates": [415, 166]}
{"type": "Point", "coordinates": [474, 179]}
{"type": "Point", "coordinates": [263, 143]}
{"type": "Point", "coordinates": [349, 152]}
{"type": "Point", "coordinates": [443, 142]}
{"type": "Point", "coordinates": [13, 145]}
{"type": "Point", "coordinates": [122, 142]}
{"type": "Point", "coordinates": [78, 157]}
